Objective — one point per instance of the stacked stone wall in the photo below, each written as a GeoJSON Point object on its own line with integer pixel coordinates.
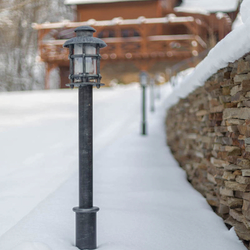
{"type": "Point", "coordinates": [209, 135]}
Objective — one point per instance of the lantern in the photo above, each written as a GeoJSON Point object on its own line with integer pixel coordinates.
{"type": "Point", "coordinates": [143, 78]}
{"type": "Point", "coordinates": [84, 56]}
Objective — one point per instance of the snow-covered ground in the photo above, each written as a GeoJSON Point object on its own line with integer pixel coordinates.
{"type": "Point", "coordinates": [145, 201]}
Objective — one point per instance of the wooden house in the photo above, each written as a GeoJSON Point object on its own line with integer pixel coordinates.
{"type": "Point", "coordinates": [139, 32]}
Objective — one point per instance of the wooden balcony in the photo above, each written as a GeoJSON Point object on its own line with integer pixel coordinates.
{"type": "Point", "coordinates": [141, 41]}
{"type": "Point", "coordinates": [150, 42]}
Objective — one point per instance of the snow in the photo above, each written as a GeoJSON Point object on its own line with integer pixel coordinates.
{"type": "Point", "coordinates": [231, 48]}
{"type": "Point", "coordinates": [96, 1]}
{"type": "Point", "coordinates": [244, 10]}
{"type": "Point", "coordinates": [207, 6]}
{"type": "Point", "coordinates": [144, 198]}
{"type": "Point", "coordinates": [237, 22]}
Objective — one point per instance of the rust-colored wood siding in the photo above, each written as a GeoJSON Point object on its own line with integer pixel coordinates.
{"type": "Point", "coordinates": [126, 10]}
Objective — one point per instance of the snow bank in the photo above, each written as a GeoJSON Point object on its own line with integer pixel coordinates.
{"type": "Point", "coordinates": [206, 6]}
{"type": "Point", "coordinates": [231, 48]}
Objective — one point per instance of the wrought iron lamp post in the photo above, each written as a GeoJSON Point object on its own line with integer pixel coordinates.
{"type": "Point", "coordinates": [143, 81]}
{"type": "Point", "coordinates": [158, 86]}
{"type": "Point", "coordinates": [152, 95]}
{"type": "Point", "coordinates": [84, 56]}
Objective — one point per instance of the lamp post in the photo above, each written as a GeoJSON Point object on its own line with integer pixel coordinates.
{"type": "Point", "coordinates": [152, 97]}
{"type": "Point", "coordinates": [143, 81]}
{"type": "Point", "coordinates": [158, 80]}
{"type": "Point", "coordinates": [84, 56]}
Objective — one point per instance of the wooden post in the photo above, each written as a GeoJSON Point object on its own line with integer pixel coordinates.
{"type": "Point", "coordinates": [48, 68]}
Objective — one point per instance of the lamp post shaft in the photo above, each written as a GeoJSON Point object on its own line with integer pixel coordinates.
{"type": "Point", "coordinates": [152, 97]}
{"type": "Point", "coordinates": [86, 213]}
{"type": "Point", "coordinates": [144, 110]}
{"type": "Point", "coordinates": [85, 147]}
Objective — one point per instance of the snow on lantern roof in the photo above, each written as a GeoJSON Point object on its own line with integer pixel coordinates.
{"type": "Point", "coordinates": [69, 2]}
{"type": "Point", "coordinates": [207, 6]}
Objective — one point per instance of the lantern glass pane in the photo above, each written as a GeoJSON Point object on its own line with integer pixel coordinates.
{"type": "Point", "coordinates": [90, 61]}
{"type": "Point", "coordinates": [144, 79]}
{"type": "Point", "coordinates": [78, 60]}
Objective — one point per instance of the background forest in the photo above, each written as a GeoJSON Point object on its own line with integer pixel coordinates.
{"type": "Point", "coordinates": [20, 68]}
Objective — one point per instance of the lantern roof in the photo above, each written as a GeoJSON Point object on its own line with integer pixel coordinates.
{"type": "Point", "coordinates": [84, 36]}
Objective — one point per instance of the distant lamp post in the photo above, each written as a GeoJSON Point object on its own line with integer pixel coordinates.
{"type": "Point", "coordinates": [143, 81]}
{"type": "Point", "coordinates": [84, 56]}
{"type": "Point", "coordinates": [158, 80]}
{"type": "Point", "coordinates": [152, 95]}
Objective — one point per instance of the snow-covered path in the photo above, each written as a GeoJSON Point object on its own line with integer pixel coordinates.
{"type": "Point", "coordinates": [145, 201]}
{"type": "Point", "coordinates": [38, 142]}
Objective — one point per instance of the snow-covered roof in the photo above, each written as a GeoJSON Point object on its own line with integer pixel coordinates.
{"type": "Point", "coordinates": [209, 6]}
{"type": "Point", "coordinates": [96, 1]}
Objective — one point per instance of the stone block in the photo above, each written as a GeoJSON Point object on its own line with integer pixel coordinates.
{"type": "Point", "coordinates": [245, 104]}
{"type": "Point", "coordinates": [216, 93]}
{"type": "Point", "coordinates": [234, 122]}
{"type": "Point", "coordinates": [232, 150]}
{"type": "Point", "coordinates": [211, 178]}
{"type": "Point", "coordinates": [242, 137]}
{"type": "Point", "coordinates": [226, 140]}
{"type": "Point", "coordinates": [232, 128]}
{"type": "Point", "coordinates": [243, 180]}
{"type": "Point", "coordinates": [246, 222]}
{"type": "Point", "coordinates": [235, 90]}
{"type": "Point", "coordinates": [230, 105]}
{"type": "Point", "coordinates": [247, 140]}
{"type": "Point", "coordinates": [239, 143]}
{"type": "Point", "coordinates": [245, 85]}
{"type": "Point", "coordinates": [201, 112]}
{"type": "Point", "coordinates": [226, 192]}
{"type": "Point", "coordinates": [246, 196]}
{"type": "Point", "coordinates": [226, 91]}
{"type": "Point", "coordinates": [226, 98]}
{"type": "Point", "coordinates": [243, 67]}
{"type": "Point", "coordinates": [237, 172]}
{"type": "Point", "coordinates": [247, 94]}
{"type": "Point", "coordinates": [226, 83]}
{"type": "Point", "coordinates": [243, 163]}
{"type": "Point", "coordinates": [245, 172]}
{"type": "Point", "coordinates": [218, 163]}
{"type": "Point", "coordinates": [217, 109]}
{"type": "Point", "coordinates": [237, 186]}
{"type": "Point", "coordinates": [212, 200]}
{"type": "Point", "coordinates": [220, 129]}
{"type": "Point", "coordinates": [246, 209]}
{"type": "Point", "coordinates": [238, 194]}
{"type": "Point", "coordinates": [228, 175]}
{"type": "Point", "coordinates": [218, 147]}
{"type": "Point", "coordinates": [232, 167]}
{"type": "Point", "coordinates": [238, 97]}
{"type": "Point", "coordinates": [236, 215]}
{"type": "Point", "coordinates": [240, 78]}
{"type": "Point", "coordinates": [234, 202]}
{"type": "Point", "coordinates": [223, 209]}
{"type": "Point", "coordinates": [244, 130]}
{"type": "Point", "coordinates": [242, 113]}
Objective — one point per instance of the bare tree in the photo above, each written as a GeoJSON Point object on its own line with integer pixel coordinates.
{"type": "Point", "coordinates": [18, 41]}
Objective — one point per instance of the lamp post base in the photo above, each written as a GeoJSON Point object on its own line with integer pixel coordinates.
{"type": "Point", "coordinates": [144, 132]}
{"type": "Point", "coordinates": [86, 227]}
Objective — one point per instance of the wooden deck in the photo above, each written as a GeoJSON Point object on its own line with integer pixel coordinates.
{"type": "Point", "coordinates": [143, 41]}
